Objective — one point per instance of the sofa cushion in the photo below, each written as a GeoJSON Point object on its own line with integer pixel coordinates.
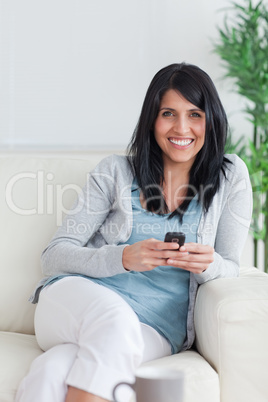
{"type": "Point", "coordinates": [17, 352]}
{"type": "Point", "coordinates": [231, 322]}
{"type": "Point", "coordinates": [201, 382]}
{"type": "Point", "coordinates": [34, 193]}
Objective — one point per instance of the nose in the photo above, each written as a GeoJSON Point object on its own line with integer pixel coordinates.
{"type": "Point", "coordinates": [181, 125]}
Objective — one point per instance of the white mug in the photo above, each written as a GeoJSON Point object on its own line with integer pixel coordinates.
{"type": "Point", "coordinates": [156, 385]}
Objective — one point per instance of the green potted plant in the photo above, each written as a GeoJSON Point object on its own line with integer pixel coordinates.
{"type": "Point", "coordinates": [243, 47]}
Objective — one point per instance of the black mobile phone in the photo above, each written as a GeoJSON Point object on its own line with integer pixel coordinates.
{"type": "Point", "coordinates": [177, 237]}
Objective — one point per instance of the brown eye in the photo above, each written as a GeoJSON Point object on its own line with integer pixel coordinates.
{"type": "Point", "coordinates": [167, 114]}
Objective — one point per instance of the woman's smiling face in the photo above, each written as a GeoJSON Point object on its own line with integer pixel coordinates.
{"type": "Point", "coordinates": [179, 130]}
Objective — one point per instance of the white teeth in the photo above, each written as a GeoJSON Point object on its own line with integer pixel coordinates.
{"type": "Point", "coordinates": [182, 143]}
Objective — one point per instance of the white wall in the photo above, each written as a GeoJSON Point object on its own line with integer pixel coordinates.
{"type": "Point", "coordinates": [73, 73]}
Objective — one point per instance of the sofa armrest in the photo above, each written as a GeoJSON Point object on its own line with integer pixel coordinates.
{"type": "Point", "coordinates": [231, 322]}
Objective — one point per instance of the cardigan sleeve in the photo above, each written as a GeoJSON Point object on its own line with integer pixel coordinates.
{"type": "Point", "coordinates": [73, 249]}
{"type": "Point", "coordinates": [232, 225]}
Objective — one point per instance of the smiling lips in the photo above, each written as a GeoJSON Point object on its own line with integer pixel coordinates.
{"type": "Point", "coordinates": [181, 143]}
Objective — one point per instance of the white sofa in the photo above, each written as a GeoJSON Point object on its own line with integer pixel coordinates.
{"type": "Point", "coordinates": [230, 361]}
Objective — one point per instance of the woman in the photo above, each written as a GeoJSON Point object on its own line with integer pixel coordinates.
{"type": "Point", "coordinates": [114, 293]}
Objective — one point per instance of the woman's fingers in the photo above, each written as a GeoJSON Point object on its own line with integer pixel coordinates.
{"type": "Point", "coordinates": [161, 245]}
{"type": "Point", "coordinates": [197, 248]}
{"type": "Point", "coordinates": [147, 254]}
{"type": "Point", "coordinates": [195, 258]}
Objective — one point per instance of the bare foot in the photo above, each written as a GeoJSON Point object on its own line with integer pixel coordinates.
{"type": "Point", "coordinates": [78, 395]}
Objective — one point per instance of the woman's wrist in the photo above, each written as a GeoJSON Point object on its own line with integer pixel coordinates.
{"type": "Point", "coordinates": [125, 261]}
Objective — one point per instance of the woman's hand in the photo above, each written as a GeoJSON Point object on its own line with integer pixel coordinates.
{"type": "Point", "coordinates": [193, 257]}
{"type": "Point", "coordinates": [148, 254]}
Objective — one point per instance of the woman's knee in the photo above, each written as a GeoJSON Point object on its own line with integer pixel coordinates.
{"type": "Point", "coordinates": [92, 314]}
{"type": "Point", "coordinates": [55, 364]}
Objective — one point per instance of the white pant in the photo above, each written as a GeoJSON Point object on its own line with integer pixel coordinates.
{"type": "Point", "coordinates": [92, 338]}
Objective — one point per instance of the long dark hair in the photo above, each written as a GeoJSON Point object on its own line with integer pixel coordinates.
{"type": "Point", "coordinates": [145, 155]}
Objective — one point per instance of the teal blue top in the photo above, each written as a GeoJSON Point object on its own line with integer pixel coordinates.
{"type": "Point", "coordinates": [159, 297]}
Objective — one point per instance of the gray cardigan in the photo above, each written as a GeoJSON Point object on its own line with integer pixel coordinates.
{"type": "Point", "coordinates": [87, 242]}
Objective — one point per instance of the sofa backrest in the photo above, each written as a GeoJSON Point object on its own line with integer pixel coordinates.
{"type": "Point", "coordinates": [34, 193]}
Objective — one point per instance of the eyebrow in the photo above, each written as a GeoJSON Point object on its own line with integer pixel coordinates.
{"type": "Point", "coordinates": [174, 110]}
